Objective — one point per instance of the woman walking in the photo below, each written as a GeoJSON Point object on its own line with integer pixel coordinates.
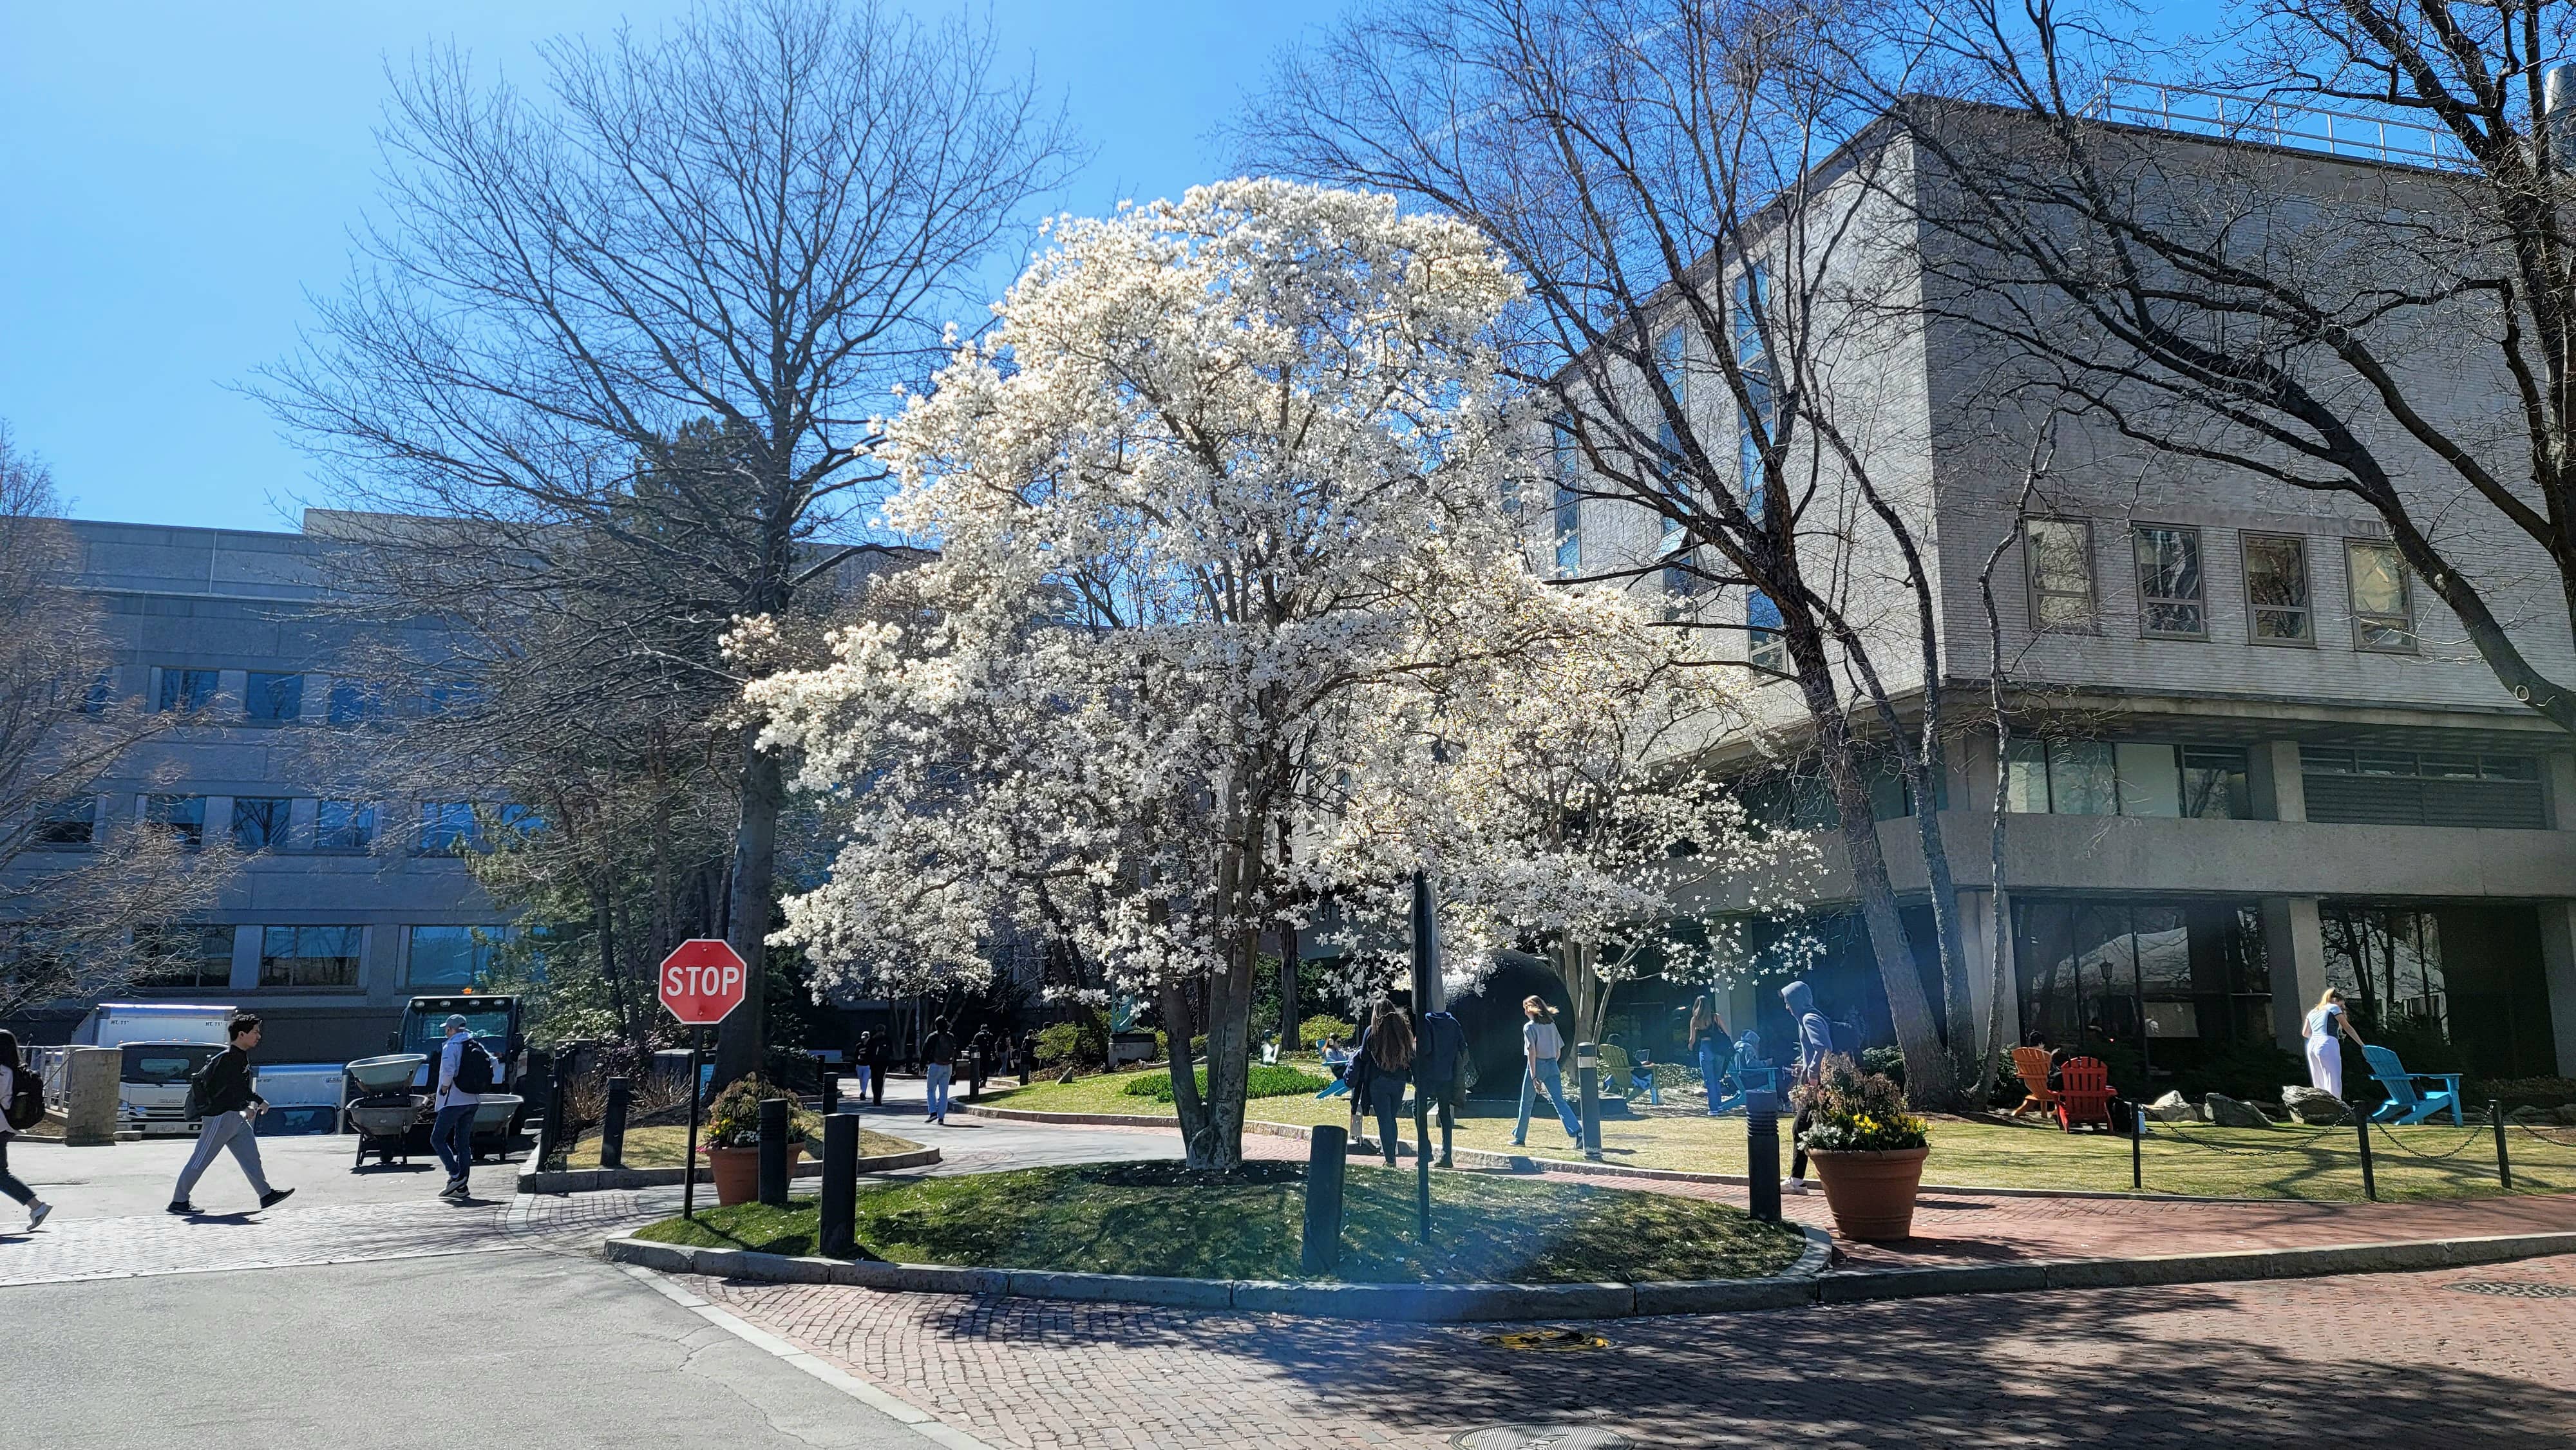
{"type": "Point", "coordinates": [2325, 1055]}
{"type": "Point", "coordinates": [1541, 1046]}
{"type": "Point", "coordinates": [1388, 1046]}
{"type": "Point", "coordinates": [1711, 1045]}
{"type": "Point", "coordinates": [10, 1068]}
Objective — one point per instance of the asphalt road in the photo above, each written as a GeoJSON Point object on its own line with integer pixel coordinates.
{"type": "Point", "coordinates": [518, 1348]}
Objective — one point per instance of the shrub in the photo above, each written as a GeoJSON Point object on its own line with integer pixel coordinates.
{"type": "Point", "coordinates": [1856, 1111]}
{"type": "Point", "coordinates": [2518, 1092]}
{"type": "Point", "coordinates": [1163, 1046]}
{"type": "Point", "coordinates": [1316, 1029]}
{"type": "Point", "coordinates": [1887, 1062]}
{"type": "Point", "coordinates": [2422, 1046]}
{"type": "Point", "coordinates": [1083, 1042]}
{"type": "Point", "coordinates": [733, 1119]}
{"type": "Point", "coordinates": [1261, 1082]}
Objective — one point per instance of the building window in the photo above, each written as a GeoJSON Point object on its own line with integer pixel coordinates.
{"type": "Point", "coordinates": [448, 827]}
{"type": "Point", "coordinates": [2059, 556]}
{"type": "Point", "coordinates": [310, 956]}
{"type": "Point", "coordinates": [1753, 364]}
{"type": "Point", "coordinates": [69, 825]}
{"type": "Point", "coordinates": [188, 690]}
{"type": "Point", "coordinates": [2276, 589]}
{"type": "Point", "coordinates": [259, 822]}
{"type": "Point", "coordinates": [351, 702]}
{"type": "Point", "coordinates": [2173, 982]}
{"type": "Point", "coordinates": [453, 956]}
{"type": "Point", "coordinates": [274, 699]}
{"type": "Point", "coordinates": [1569, 504]}
{"type": "Point", "coordinates": [1763, 646]}
{"type": "Point", "coordinates": [344, 826]}
{"type": "Point", "coordinates": [102, 694]}
{"type": "Point", "coordinates": [2388, 963]}
{"type": "Point", "coordinates": [1682, 586]}
{"type": "Point", "coordinates": [183, 816]}
{"type": "Point", "coordinates": [2169, 602]}
{"type": "Point", "coordinates": [183, 958]}
{"type": "Point", "coordinates": [2406, 788]}
{"type": "Point", "coordinates": [2383, 605]}
{"type": "Point", "coordinates": [2129, 778]}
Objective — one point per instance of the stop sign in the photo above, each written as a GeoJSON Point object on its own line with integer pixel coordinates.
{"type": "Point", "coordinates": [702, 980]}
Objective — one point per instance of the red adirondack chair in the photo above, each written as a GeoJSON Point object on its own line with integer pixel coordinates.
{"type": "Point", "coordinates": [2084, 1094]}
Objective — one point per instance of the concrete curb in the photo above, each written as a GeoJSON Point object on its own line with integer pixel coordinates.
{"type": "Point", "coordinates": [594, 1180]}
{"type": "Point", "coordinates": [1526, 1163]}
{"type": "Point", "coordinates": [1805, 1283]}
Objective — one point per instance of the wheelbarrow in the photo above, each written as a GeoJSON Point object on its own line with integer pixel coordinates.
{"type": "Point", "coordinates": [384, 1123]}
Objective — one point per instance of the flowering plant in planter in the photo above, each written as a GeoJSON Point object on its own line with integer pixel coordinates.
{"type": "Point", "coordinates": [1868, 1150]}
{"type": "Point", "coordinates": [733, 1119]}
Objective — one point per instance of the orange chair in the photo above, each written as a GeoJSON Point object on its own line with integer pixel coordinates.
{"type": "Point", "coordinates": [2084, 1094]}
{"type": "Point", "coordinates": [2030, 1064]}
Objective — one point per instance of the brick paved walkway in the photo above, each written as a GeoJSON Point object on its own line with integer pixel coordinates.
{"type": "Point", "coordinates": [1959, 1228]}
{"type": "Point", "coordinates": [2306, 1362]}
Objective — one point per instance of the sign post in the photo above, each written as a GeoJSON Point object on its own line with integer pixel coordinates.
{"type": "Point", "coordinates": [702, 981]}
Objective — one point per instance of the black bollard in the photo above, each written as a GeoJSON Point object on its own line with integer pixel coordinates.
{"type": "Point", "coordinates": [1762, 1154]}
{"type": "Point", "coordinates": [2504, 1165]}
{"type": "Point", "coordinates": [838, 1219]}
{"type": "Point", "coordinates": [612, 1124]}
{"type": "Point", "coordinates": [554, 1130]}
{"type": "Point", "coordinates": [1325, 1162]}
{"type": "Point", "coordinates": [831, 1093]}
{"type": "Point", "coordinates": [2369, 1180]}
{"type": "Point", "coordinates": [1587, 1080]}
{"type": "Point", "coordinates": [773, 1152]}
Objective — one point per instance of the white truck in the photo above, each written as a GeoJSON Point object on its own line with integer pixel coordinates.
{"type": "Point", "coordinates": [164, 1043]}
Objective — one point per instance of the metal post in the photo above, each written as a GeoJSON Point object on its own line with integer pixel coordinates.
{"type": "Point", "coordinates": [612, 1124]}
{"type": "Point", "coordinates": [1426, 981]}
{"type": "Point", "coordinates": [1325, 1162]}
{"type": "Point", "coordinates": [556, 1126]}
{"type": "Point", "coordinates": [689, 1175]}
{"type": "Point", "coordinates": [2369, 1180]}
{"type": "Point", "coordinates": [1587, 1094]}
{"type": "Point", "coordinates": [836, 1228]}
{"type": "Point", "coordinates": [2504, 1165]}
{"type": "Point", "coordinates": [773, 1152]}
{"type": "Point", "coordinates": [831, 1093]}
{"type": "Point", "coordinates": [1762, 1153]}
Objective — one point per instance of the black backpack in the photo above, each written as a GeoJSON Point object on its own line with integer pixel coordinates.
{"type": "Point", "coordinates": [26, 1105]}
{"type": "Point", "coordinates": [473, 1068]}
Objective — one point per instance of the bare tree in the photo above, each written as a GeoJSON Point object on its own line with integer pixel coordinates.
{"type": "Point", "coordinates": [758, 217]}
{"type": "Point", "coordinates": [80, 901]}
{"type": "Point", "coordinates": [1715, 324]}
{"type": "Point", "coordinates": [2390, 329]}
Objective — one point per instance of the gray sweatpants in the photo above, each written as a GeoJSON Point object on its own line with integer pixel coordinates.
{"type": "Point", "coordinates": [223, 1130]}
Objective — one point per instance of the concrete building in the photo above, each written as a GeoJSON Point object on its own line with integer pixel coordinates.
{"type": "Point", "coordinates": [347, 903]}
{"type": "Point", "coordinates": [2251, 757]}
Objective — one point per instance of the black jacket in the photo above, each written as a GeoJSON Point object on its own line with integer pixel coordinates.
{"type": "Point", "coordinates": [223, 1085]}
{"type": "Point", "coordinates": [940, 1050]}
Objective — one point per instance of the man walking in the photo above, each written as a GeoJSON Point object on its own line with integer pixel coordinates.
{"type": "Point", "coordinates": [1815, 1040]}
{"type": "Point", "coordinates": [979, 1064]}
{"type": "Point", "coordinates": [225, 1106]}
{"type": "Point", "coordinates": [938, 1065]}
{"type": "Point", "coordinates": [880, 1062]}
{"type": "Point", "coordinates": [464, 1075]}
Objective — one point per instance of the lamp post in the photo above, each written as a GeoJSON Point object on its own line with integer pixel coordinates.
{"type": "Point", "coordinates": [1426, 986]}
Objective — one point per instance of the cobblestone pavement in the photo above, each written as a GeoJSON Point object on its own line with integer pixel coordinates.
{"type": "Point", "coordinates": [1966, 1228]}
{"type": "Point", "coordinates": [2400, 1360]}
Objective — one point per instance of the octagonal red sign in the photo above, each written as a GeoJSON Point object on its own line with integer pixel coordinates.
{"type": "Point", "coordinates": [702, 980]}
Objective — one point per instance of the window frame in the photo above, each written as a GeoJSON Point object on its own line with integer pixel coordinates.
{"type": "Point", "coordinates": [2245, 539]}
{"type": "Point", "coordinates": [200, 978]}
{"type": "Point", "coordinates": [2148, 604]}
{"type": "Point", "coordinates": [166, 702]}
{"type": "Point", "coordinates": [369, 810]}
{"type": "Point", "coordinates": [2405, 597]}
{"type": "Point", "coordinates": [357, 959]}
{"type": "Point", "coordinates": [452, 842]}
{"type": "Point", "coordinates": [1766, 647]}
{"type": "Point", "coordinates": [272, 841]}
{"type": "Point", "coordinates": [59, 817]}
{"type": "Point", "coordinates": [2092, 579]}
{"type": "Point", "coordinates": [252, 697]}
{"type": "Point", "coordinates": [153, 818]}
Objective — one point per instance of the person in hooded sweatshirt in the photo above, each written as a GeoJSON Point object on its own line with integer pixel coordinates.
{"type": "Point", "coordinates": [1815, 1039]}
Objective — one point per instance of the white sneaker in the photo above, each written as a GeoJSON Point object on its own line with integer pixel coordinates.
{"type": "Point", "coordinates": [36, 1211]}
{"type": "Point", "coordinates": [1794, 1185]}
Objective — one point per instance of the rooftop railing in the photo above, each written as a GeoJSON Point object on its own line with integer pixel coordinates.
{"type": "Point", "coordinates": [2273, 121]}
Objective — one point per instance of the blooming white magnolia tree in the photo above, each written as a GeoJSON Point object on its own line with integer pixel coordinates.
{"type": "Point", "coordinates": [1561, 810]}
{"type": "Point", "coordinates": [1214, 499]}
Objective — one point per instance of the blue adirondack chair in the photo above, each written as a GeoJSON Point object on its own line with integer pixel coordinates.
{"type": "Point", "coordinates": [2405, 1104]}
{"type": "Point", "coordinates": [1752, 1075]}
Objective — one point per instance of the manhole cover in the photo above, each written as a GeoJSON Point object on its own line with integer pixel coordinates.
{"type": "Point", "coordinates": [1540, 1437]}
{"type": "Point", "coordinates": [1544, 1339]}
{"type": "Point", "coordinates": [2517, 1289]}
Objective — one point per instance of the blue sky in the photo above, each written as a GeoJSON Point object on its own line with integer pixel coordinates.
{"type": "Point", "coordinates": [174, 177]}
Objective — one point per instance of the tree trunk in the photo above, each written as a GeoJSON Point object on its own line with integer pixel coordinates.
{"type": "Point", "coordinates": [740, 1040]}
{"type": "Point", "coordinates": [1291, 1037]}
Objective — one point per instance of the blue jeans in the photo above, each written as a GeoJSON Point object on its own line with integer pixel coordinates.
{"type": "Point", "coordinates": [1712, 1071]}
{"type": "Point", "coordinates": [937, 1075]}
{"type": "Point", "coordinates": [1551, 1077]}
{"type": "Point", "coordinates": [451, 1137]}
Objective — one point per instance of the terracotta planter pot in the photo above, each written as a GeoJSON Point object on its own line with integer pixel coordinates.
{"type": "Point", "coordinates": [1871, 1194]}
{"type": "Point", "coordinates": [737, 1171]}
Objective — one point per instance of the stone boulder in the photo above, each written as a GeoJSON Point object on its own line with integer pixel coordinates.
{"type": "Point", "coordinates": [2315, 1106]}
{"type": "Point", "coordinates": [2567, 1114]}
{"type": "Point", "coordinates": [2534, 1117]}
{"type": "Point", "coordinates": [2171, 1108]}
{"type": "Point", "coordinates": [2227, 1112]}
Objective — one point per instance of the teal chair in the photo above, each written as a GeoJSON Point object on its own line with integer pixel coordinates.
{"type": "Point", "coordinates": [2405, 1104]}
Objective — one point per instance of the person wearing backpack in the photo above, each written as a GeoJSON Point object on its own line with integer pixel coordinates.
{"type": "Point", "coordinates": [1815, 1043]}
{"type": "Point", "coordinates": [224, 1101]}
{"type": "Point", "coordinates": [22, 1106]}
{"type": "Point", "coordinates": [464, 1076]}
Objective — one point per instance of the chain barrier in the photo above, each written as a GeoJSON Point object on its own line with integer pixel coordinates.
{"type": "Point", "coordinates": [2247, 1150]}
{"type": "Point", "coordinates": [2456, 1149]}
{"type": "Point", "coordinates": [2544, 1137]}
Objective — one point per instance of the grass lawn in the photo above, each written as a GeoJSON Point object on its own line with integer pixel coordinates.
{"type": "Point", "coordinates": [665, 1145]}
{"type": "Point", "coordinates": [1161, 1218]}
{"type": "Point", "coordinates": [2284, 1162]}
